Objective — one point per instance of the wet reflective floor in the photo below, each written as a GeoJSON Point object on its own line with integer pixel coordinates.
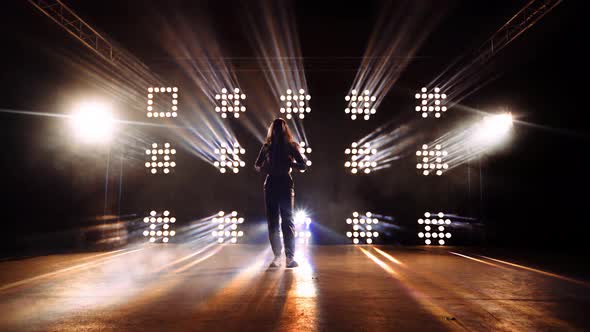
{"type": "Point", "coordinates": [336, 288]}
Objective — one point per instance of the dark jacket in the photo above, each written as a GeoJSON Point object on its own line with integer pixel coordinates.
{"type": "Point", "coordinates": [278, 159]}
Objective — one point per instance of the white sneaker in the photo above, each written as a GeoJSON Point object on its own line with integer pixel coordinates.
{"type": "Point", "coordinates": [291, 263]}
{"type": "Point", "coordinates": [276, 262]}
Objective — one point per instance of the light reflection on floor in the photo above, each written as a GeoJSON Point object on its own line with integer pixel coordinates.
{"type": "Point", "coordinates": [301, 309]}
{"type": "Point", "coordinates": [200, 287]}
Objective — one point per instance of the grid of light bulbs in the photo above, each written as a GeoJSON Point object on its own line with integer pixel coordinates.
{"type": "Point", "coordinates": [362, 228]}
{"type": "Point", "coordinates": [230, 103]}
{"type": "Point", "coordinates": [431, 161]}
{"type": "Point", "coordinates": [361, 158]}
{"type": "Point", "coordinates": [229, 158]}
{"type": "Point", "coordinates": [305, 151]}
{"type": "Point", "coordinates": [295, 105]}
{"type": "Point", "coordinates": [432, 102]}
{"type": "Point", "coordinates": [360, 105]}
{"type": "Point", "coordinates": [159, 159]}
{"type": "Point", "coordinates": [302, 223]}
{"type": "Point", "coordinates": [160, 226]}
{"type": "Point", "coordinates": [226, 227]}
{"type": "Point", "coordinates": [435, 228]}
{"type": "Point", "coordinates": [172, 112]}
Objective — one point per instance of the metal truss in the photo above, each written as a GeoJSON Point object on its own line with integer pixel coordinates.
{"type": "Point", "coordinates": [469, 72]}
{"type": "Point", "coordinates": [532, 12]}
{"type": "Point", "coordinates": [75, 26]}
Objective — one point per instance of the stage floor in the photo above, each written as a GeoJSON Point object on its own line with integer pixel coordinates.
{"type": "Point", "coordinates": [336, 288]}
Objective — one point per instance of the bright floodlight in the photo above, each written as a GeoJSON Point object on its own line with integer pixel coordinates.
{"type": "Point", "coordinates": [229, 158]}
{"type": "Point", "coordinates": [230, 103]}
{"type": "Point", "coordinates": [436, 228]}
{"type": "Point", "coordinates": [301, 218]}
{"type": "Point", "coordinates": [360, 105]}
{"type": "Point", "coordinates": [160, 158]}
{"type": "Point", "coordinates": [363, 228]}
{"type": "Point", "coordinates": [93, 122]}
{"type": "Point", "coordinates": [227, 227]}
{"type": "Point", "coordinates": [493, 129]}
{"type": "Point", "coordinates": [431, 161]}
{"type": "Point", "coordinates": [431, 102]}
{"type": "Point", "coordinates": [302, 223]}
{"type": "Point", "coordinates": [159, 226]}
{"type": "Point", "coordinates": [295, 105]}
{"type": "Point", "coordinates": [163, 112]}
{"type": "Point", "coordinates": [361, 158]}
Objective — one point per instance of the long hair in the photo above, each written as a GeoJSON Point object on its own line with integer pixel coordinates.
{"type": "Point", "coordinates": [279, 133]}
{"type": "Point", "coordinates": [279, 141]}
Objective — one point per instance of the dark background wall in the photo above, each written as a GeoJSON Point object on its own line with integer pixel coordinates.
{"type": "Point", "coordinates": [533, 190]}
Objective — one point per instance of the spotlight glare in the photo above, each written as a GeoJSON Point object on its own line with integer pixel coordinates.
{"type": "Point", "coordinates": [302, 223]}
{"type": "Point", "coordinates": [428, 100]}
{"type": "Point", "coordinates": [174, 101]}
{"type": "Point", "coordinates": [493, 129]}
{"type": "Point", "coordinates": [361, 228]}
{"type": "Point", "coordinates": [153, 164]}
{"type": "Point", "coordinates": [93, 122]}
{"type": "Point", "coordinates": [227, 229]}
{"type": "Point", "coordinates": [427, 229]}
{"type": "Point", "coordinates": [360, 159]}
{"type": "Point", "coordinates": [232, 101]}
{"type": "Point", "coordinates": [299, 104]}
{"type": "Point", "coordinates": [367, 101]}
{"type": "Point", "coordinates": [229, 157]}
{"type": "Point", "coordinates": [156, 226]}
{"type": "Point", "coordinates": [435, 163]}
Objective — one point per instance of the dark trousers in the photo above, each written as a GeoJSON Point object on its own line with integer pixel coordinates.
{"type": "Point", "coordinates": [279, 196]}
